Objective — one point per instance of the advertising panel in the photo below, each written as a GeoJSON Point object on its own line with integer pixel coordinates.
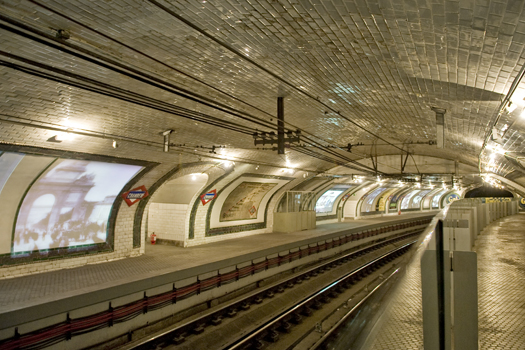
{"type": "Point", "coordinates": [68, 204]}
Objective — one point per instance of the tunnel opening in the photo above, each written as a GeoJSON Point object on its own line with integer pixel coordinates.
{"type": "Point", "coordinates": [488, 192]}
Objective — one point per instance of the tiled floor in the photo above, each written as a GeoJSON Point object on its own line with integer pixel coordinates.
{"type": "Point", "coordinates": [501, 284]}
{"type": "Point", "coordinates": [501, 295]}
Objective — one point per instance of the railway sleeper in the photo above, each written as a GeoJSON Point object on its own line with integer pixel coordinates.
{"type": "Point", "coordinates": [178, 339]}
{"type": "Point", "coordinates": [216, 320]}
{"type": "Point", "coordinates": [286, 327]}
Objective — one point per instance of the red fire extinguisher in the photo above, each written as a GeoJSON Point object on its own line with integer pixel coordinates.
{"type": "Point", "coordinates": [153, 238]}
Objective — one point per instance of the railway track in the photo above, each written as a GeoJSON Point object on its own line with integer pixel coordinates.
{"type": "Point", "coordinates": [293, 310]}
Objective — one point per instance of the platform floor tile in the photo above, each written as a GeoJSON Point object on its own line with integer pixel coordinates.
{"type": "Point", "coordinates": [501, 284]}
{"type": "Point", "coordinates": [501, 295]}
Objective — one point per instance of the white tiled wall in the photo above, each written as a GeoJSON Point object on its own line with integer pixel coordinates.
{"type": "Point", "coordinates": [167, 220]}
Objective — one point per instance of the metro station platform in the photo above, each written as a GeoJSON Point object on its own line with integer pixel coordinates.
{"type": "Point", "coordinates": [501, 295]}
{"type": "Point", "coordinates": [28, 298]}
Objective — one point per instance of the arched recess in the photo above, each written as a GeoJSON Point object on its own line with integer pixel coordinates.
{"type": "Point", "coordinates": [383, 200]}
{"type": "Point", "coordinates": [61, 204]}
{"type": "Point", "coordinates": [314, 184]}
{"type": "Point", "coordinates": [392, 201]}
{"type": "Point", "coordinates": [426, 203]}
{"type": "Point", "coordinates": [169, 206]}
{"type": "Point", "coordinates": [407, 199]}
{"type": "Point", "coordinates": [436, 198]}
{"type": "Point", "coordinates": [416, 202]}
{"type": "Point", "coordinates": [351, 206]}
{"type": "Point", "coordinates": [369, 201]}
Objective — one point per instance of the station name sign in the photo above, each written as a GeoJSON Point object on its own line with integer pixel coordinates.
{"type": "Point", "coordinates": [133, 196]}
{"type": "Point", "coordinates": [208, 197]}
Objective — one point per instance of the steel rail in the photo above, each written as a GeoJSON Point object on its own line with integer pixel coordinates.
{"type": "Point", "coordinates": [173, 332]}
{"type": "Point", "coordinates": [240, 343]}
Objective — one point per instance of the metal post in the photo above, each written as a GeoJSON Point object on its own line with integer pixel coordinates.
{"type": "Point", "coordinates": [440, 283]}
{"type": "Point", "coordinates": [440, 126]}
{"type": "Point", "coordinates": [280, 125]}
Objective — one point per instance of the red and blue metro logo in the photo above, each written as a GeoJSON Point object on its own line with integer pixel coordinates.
{"type": "Point", "coordinates": [208, 196]}
{"type": "Point", "coordinates": [133, 196]}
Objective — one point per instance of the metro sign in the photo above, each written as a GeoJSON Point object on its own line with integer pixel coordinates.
{"type": "Point", "coordinates": [133, 196]}
{"type": "Point", "coordinates": [208, 196]}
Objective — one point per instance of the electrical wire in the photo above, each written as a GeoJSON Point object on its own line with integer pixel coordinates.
{"type": "Point", "coordinates": [177, 70]}
{"type": "Point", "coordinates": [155, 82]}
{"type": "Point", "coordinates": [115, 92]}
{"type": "Point", "coordinates": [158, 61]}
{"type": "Point", "coordinates": [115, 66]}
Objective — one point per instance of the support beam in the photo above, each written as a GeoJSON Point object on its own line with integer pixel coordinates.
{"type": "Point", "coordinates": [404, 162]}
{"type": "Point", "coordinates": [374, 162]}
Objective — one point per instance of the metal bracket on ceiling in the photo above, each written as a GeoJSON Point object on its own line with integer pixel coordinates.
{"type": "Point", "coordinates": [284, 139]}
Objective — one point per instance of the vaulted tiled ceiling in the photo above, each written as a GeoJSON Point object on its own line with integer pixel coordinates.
{"type": "Point", "coordinates": [358, 71]}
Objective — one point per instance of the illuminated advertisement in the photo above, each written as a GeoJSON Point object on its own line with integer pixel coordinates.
{"type": "Point", "coordinates": [63, 202]}
{"type": "Point", "coordinates": [406, 200]}
{"type": "Point", "coordinates": [369, 201]}
{"type": "Point", "coordinates": [395, 199]}
{"type": "Point", "coordinates": [325, 203]}
{"type": "Point", "coordinates": [382, 201]}
{"type": "Point", "coordinates": [435, 199]}
{"type": "Point", "coordinates": [416, 201]}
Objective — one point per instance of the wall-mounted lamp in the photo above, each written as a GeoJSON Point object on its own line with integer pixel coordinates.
{"type": "Point", "coordinates": [166, 135]}
{"type": "Point", "coordinates": [115, 144]}
{"type": "Point", "coordinates": [228, 164]}
{"type": "Point", "coordinates": [55, 139]}
{"type": "Point", "coordinates": [510, 107]}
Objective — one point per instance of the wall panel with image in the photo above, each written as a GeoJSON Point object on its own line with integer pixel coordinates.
{"type": "Point", "coordinates": [242, 204]}
{"type": "Point", "coordinates": [48, 202]}
{"type": "Point", "coordinates": [327, 202]}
